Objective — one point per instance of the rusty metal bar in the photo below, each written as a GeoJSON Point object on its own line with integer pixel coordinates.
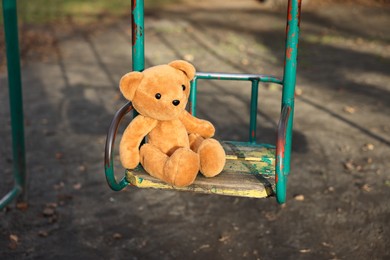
{"type": "Point", "coordinates": [108, 154]}
{"type": "Point", "coordinates": [280, 176]}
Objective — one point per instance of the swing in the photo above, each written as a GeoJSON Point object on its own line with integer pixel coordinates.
{"type": "Point", "coordinates": [252, 170]}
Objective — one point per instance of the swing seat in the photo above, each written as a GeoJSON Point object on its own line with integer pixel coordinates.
{"type": "Point", "coordinates": [252, 170]}
{"type": "Point", "coordinates": [249, 172]}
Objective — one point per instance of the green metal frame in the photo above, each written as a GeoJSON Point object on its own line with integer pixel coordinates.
{"type": "Point", "coordinates": [283, 146]}
{"type": "Point", "coordinates": [254, 78]}
{"type": "Point", "coordinates": [284, 131]}
{"type": "Point", "coordinates": [16, 102]}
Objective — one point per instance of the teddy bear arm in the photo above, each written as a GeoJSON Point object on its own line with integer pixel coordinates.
{"type": "Point", "coordinates": [197, 126]}
{"type": "Point", "coordinates": [131, 140]}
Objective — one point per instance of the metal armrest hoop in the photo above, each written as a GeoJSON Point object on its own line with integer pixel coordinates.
{"type": "Point", "coordinates": [108, 155]}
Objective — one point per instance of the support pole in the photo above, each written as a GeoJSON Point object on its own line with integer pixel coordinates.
{"type": "Point", "coordinates": [290, 70]}
{"type": "Point", "coordinates": [137, 37]}
{"type": "Point", "coordinates": [289, 80]}
{"type": "Point", "coordinates": [16, 101]}
{"type": "Point", "coordinates": [253, 114]}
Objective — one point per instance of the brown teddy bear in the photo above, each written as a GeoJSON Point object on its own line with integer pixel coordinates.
{"type": "Point", "coordinates": [178, 145]}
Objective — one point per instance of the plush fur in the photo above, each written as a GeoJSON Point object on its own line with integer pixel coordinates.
{"type": "Point", "coordinates": [178, 145]}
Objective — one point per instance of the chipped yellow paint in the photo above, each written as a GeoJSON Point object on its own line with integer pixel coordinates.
{"type": "Point", "coordinates": [142, 182]}
{"type": "Point", "coordinates": [252, 167]}
{"type": "Point", "coordinates": [247, 158]}
{"type": "Point", "coordinates": [245, 193]}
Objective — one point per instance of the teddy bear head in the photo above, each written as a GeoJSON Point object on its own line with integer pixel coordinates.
{"type": "Point", "coordinates": [160, 92]}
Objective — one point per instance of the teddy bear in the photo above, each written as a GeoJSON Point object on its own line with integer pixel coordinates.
{"type": "Point", "coordinates": [178, 145]}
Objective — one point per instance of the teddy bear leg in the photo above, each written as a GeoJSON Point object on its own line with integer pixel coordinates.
{"type": "Point", "coordinates": [182, 167]}
{"type": "Point", "coordinates": [153, 161]}
{"type": "Point", "coordinates": [212, 155]}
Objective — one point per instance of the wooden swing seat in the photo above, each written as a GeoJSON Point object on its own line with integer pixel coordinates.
{"type": "Point", "coordinates": [249, 172]}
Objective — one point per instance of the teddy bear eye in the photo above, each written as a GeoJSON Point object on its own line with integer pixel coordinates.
{"type": "Point", "coordinates": [158, 95]}
{"type": "Point", "coordinates": [184, 87]}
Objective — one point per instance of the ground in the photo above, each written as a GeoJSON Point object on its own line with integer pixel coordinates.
{"type": "Point", "coordinates": [337, 205]}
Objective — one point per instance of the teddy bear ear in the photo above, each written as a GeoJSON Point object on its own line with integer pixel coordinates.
{"type": "Point", "coordinates": [129, 84]}
{"type": "Point", "coordinates": [184, 66]}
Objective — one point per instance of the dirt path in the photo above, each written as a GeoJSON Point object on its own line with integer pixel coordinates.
{"type": "Point", "coordinates": [337, 197]}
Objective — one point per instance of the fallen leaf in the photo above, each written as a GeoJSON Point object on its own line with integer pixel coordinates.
{"type": "Point", "coordinates": [204, 246]}
{"type": "Point", "coordinates": [48, 212]}
{"type": "Point", "coordinates": [51, 205]}
{"type": "Point", "coordinates": [117, 236]}
{"type": "Point", "coordinates": [368, 147]}
{"type": "Point", "coordinates": [43, 233]}
{"type": "Point", "coordinates": [366, 188]}
{"type": "Point", "coordinates": [245, 62]}
{"type": "Point", "coordinates": [374, 129]}
{"type": "Point", "coordinates": [270, 216]}
{"type": "Point", "coordinates": [22, 206]}
{"type": "Point", "coordinates": [224, 238]}
{"type": "Point", "coordinates": [59, 155]}
{"type": "Point", "coordinates": [349, 109]}
{"type": "Point", "coordinates": [13, 243]}
{"type": "Point", "coordinates": [77, 186]}
{"type": "Point", "coordinates": [298, 91]}
{"type": "Point", "coordinates": [59, 186]}
{"type": "Point", "coordinates": [189, 57]}
{"type": "Point", "coordinates": [14, 238]}
{"type": "Point", "coordinates": [326, 244]}
{"type": "Point", "coordinates": [299, 197]}
{"type": "Point", "coordinates": [82, 168]}
{"type": "Point", "coordinates": [348, 165]}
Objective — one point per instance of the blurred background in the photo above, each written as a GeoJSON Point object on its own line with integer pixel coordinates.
{"type": "Point", "coordinates": [73, 54]}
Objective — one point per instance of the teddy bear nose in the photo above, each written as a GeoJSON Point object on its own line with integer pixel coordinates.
{"type": "Point", "coordinates": [175, 102]}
